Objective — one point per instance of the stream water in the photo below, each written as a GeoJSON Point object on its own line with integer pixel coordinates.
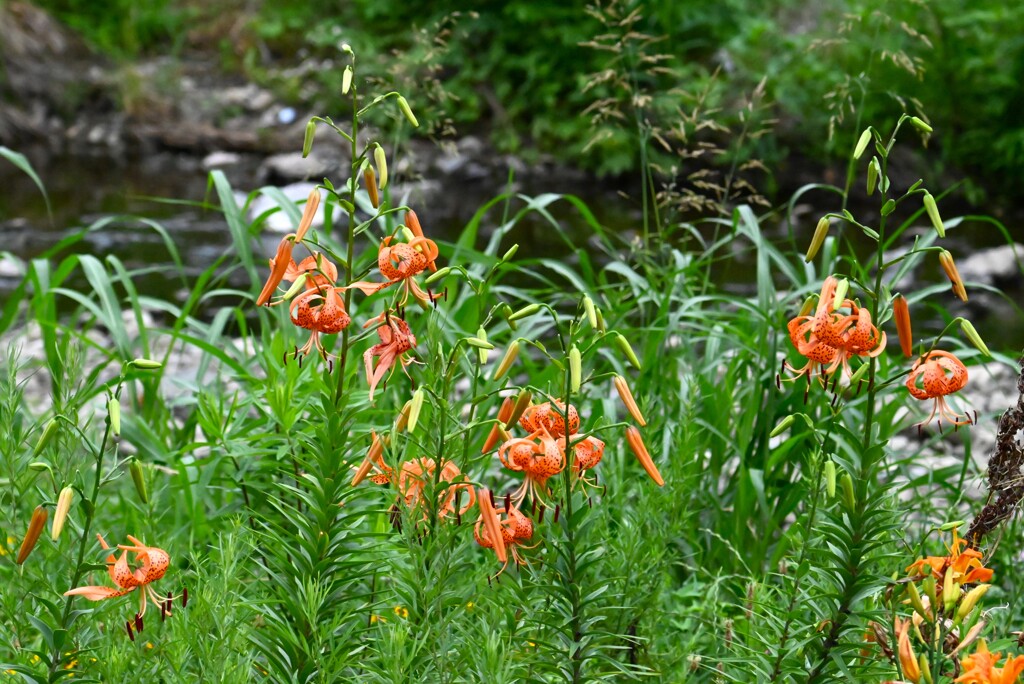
{"type": "Point", "coordinates": [170, 189]}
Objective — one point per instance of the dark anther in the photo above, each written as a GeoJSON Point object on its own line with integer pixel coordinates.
{"type": "Point", "coordinates": [540, 518]}
{"type": "Point", "coordinates": [533, 505]}
{"type": "Point", "coordinates": [128, 626]}
{"type": "Point", "coordinates": [590, 504]}
{"type": "Point", "coordinates": [445, 294]}
{"type": "Point", "coordinates": [284, 359]}
{"type": "Point", "coordinates": [508, 503]}
{"type": "Point", "coordinates": [778, 381]}
{"type": "Point", "coordinates": [387, 316]}
{"type": "Point", "coordinates": [330, 365]}
{"type": "Point", "coordinates": [167, 606]}
{"type": "Point", "coordinates": [975, 417]}
{"type": "Point", "coordinates": [490, 493]}
{"type": "Point", "coordinates": [163, 612]}
{"type": "Point", "coordinates": [138, 623]}
{"type": "Point", "coordinates": [558, 509]}
{"type": "Point", "coordinates": [300, 361]}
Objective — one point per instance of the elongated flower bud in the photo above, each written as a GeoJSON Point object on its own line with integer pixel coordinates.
{"type": "Point", "coordinates": [846, 484]}
{"type": "Point", "coordinates": [590, 310]}
{"type": "Point", "coordinates": [145, 364]}
{"type": "Point", "coordinates": [312, 204]}
{"type": "Point", "coordinates": [623, 344]}
{"type": "Point", "coordinates": [874, 171]}
{"type": "Point", "coordinates": [307, 140]}
{"type": "Point", "coordinates": [636, 444]}
{"type": "Point", "coordinates": [972, 334]}
{"type": "Point", "coordinates": [522, 403]}
{"type": "Point", "coordinates": [920, 125]}
{"type": "Point", "coordinates": [478, 343]}
{"type": "Point", "coordinates": [403, 105]}
{"type": "Point", "coordinates": [503, 415]}
{"type": "Point", "coordinates": [506, 312]}
{"type": "Point", "coordinates": [970, 600]}
{"type": "Point", "coordinates": [438, 275]}
{"type": "Point", "coordinates": [403, 417]}
{"type": "Point", "coordinates": [933, 214]}
{"type": "Point", "coordinates": [35, 528]}
{"type": "Point", "coordinates": [114, 414]}
{"type": "Point", "coordinates": [527, 310]}
{"type": "Point", "coordinates": [511, 252]}
{"type": "Point", "coordinates": [511, 354]}
{"type": "Point", "coordinates": [925, 667]}
{"type": "Point", "coordinates": [481, 334]}
{"type": "Point", "coordinates": [862, 143]}
{"type": "Point", "coordinates": [949, 266]}
{"type": "Point", "coordinates": [972, 635]}
{"type": "Point", "coordinates": [415, 409]}
{"type": "Point", "coordinates": [808, 306]}
{"type": "Point", "coordinates": [413, 221]}
{"type": "Point", "coordinates": [575, 369]}
{"type": "Point", "coordinates": [820, 233]}
{"type": "Point", "coordinates": [950, 591]}
{"type": "Point", "coordinates": [139, 479]}
{"type": "Point", "coordinates": [46, 437]}
{"type": "Point", "coordinates": [373, 455]}
{"type": "Point", "coordinates": [60, 514]}
{"type": "Point", "coordinates": [782, 426]}
{"type": "Point", "coordinates": [627, 399]}
{"type": "Point", "coordinates": [916, 602]}
{"type": "Point", "coordinates": [491, 524]}
{"type": "Point", "coordinates": [381, 160]}
{"type": "Point", "coordinates": [859, 374]}
{"type": "Point", "coordinates": [370, 181]}
{"type": "Point", "coordinates": [901, 312]}
{"type": "Point", "coordinates": [842, 289]}
{"type": "Point", "coordinates": [346, 80]}
{"type": "Point", "coordinates": [830, 478]}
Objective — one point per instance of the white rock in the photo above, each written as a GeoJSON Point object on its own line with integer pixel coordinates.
{"type": "Point", "coordinates": [219, 159]}
{"type": "Point", "coordinates": [989, 266]}
{"type": "Point", "coordinates": [278, 222]}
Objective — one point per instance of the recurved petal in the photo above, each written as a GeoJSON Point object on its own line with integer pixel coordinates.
{"type": "Point", "coordinates": [95, 593]}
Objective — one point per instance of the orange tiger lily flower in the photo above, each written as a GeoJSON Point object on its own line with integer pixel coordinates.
{"type": "Point", "coordinates": [935, 375]}
{"type": "Point", "coordinates": [538, 457]}
{"type": "Point", "coordinates": [418, 473]}
{"type": "Point", "coordinates": [401, 262]}
{"type": "Point", "coordinates": [514, 529]}
{"type": "Point", "coordinates": [966, 564]}
{"type": "Point", "coordinates": [320, 308]}
{"type": "Point", "coordinates": [154, 564]}
{"type": "Point", "coordinates": [396, 338]}
{"type": "Point", "coordinates": [833, 338]}
{"type": "Point", "coordinates": [548, 416]}
{"type": "Point", "coordinates": [980, 667]}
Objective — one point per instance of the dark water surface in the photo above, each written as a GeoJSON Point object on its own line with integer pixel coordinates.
{"type": "Point", "coordinates": [169, 188]}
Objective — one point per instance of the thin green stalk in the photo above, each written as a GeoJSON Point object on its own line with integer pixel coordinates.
{"type": "Point", "coordinates": [90, 512]}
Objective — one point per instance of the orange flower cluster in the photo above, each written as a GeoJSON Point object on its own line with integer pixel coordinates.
{"type": "Point", "coordinates": [320, 308]}
{"type": "Point", "coordinates": [839, 330]}
{"type": "Point", "coordinates": [980, 667]}
{"type": "Point", "coordinates": [541, 453]}
{"type": "Point", "coordinates": [830, 338]}
{"type": "Point", "coordinates": [944, 599]}
{"type": "Point", "coordinates": [964, 565]}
